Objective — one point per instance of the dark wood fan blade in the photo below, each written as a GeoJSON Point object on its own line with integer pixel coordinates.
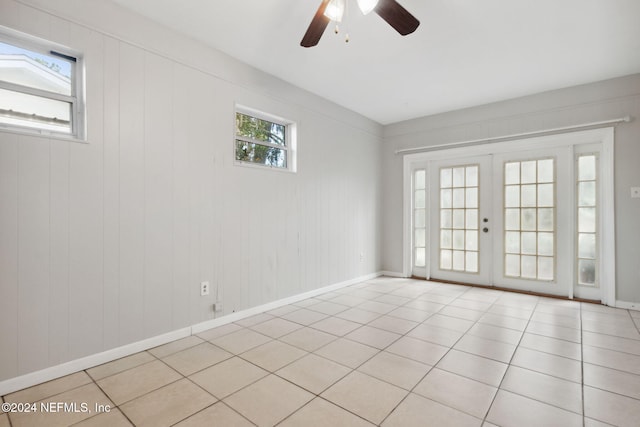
{"type": "Point", "coordinates": [317, 27]}
{"type": "Point", "coordinates": [397, 16]}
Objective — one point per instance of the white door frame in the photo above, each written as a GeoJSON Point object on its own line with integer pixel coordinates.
{"type": "Point", "coordinates": [603, 136]}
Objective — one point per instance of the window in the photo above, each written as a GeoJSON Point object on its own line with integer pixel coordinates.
{"type": "Point", "coordinates": [265, 141]}
{"type": "Point", "coordinates": [529, 219]}
{"type": "Point", "coordinates": [459, 218]}
{"type": "Point", "coordinates": [39, 87]}
{"type": "Point", "coordinates": [587, 220]}
{"type": "Point", "coordinates": [419, 218]}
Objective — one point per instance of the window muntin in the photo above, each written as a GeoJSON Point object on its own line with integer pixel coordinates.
{"type": "Point", "coordinates": [587, 236]}
{"type": "Point", "coordinates": [529, 219]}
{"type": "Point", "coordinates": [262, 141]}
{"type": "Point", "coordinates": [38, 88]}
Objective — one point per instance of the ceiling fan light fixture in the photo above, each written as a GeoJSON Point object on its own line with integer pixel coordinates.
{"type": "Point", "coordinates": [367, 6]}
{"type": "Point", "coordinates": [335, 10]}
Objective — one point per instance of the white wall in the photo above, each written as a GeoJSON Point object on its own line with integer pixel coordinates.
{"type": "Point", "coordinates": [577, 105]}
{"type": "Point", "coordinates": [104, 244]}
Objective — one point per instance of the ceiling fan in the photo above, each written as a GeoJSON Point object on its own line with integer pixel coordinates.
{"type": "Point", "coordinates": [332, 10]}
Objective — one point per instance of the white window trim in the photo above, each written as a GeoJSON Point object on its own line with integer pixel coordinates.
{"type": "Point", "coordinates": [290, 139]}
{"type": "Point", "coordinates": [76, 99]}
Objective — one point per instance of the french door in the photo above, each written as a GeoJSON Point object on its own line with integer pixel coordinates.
{"type": "Point", "coordinates": [526, 220]}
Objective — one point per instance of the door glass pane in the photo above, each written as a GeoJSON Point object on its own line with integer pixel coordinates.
{"type": "Point", "coordinates": [529, 211]}
{"type": "Point", "coordinates": [459, 203]}
{"type": "Point", "coordinates": [419, 219]}
{"type": "Point", "coordinates": [587, 238]}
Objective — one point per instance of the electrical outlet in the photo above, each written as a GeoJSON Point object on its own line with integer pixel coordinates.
{"type": "Point", "coordinates": [204, 288]}
{"type": "Point", "coordinates": [217, 306]}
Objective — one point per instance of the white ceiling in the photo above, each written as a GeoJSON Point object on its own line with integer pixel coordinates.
{"type": "Point", "coordinates": [465, 52]}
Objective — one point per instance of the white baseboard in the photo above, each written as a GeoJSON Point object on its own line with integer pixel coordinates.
{"type": "Point", "coordinates": [233, 317]}
{"type": "Point", "coordinates": [628, 305]}
{"type": "Point", "coordinates": [48, 374]}
{"type": "Point", "coordinates": [57, 371]}
{"type": "Point", "coordinates": [393, 274]}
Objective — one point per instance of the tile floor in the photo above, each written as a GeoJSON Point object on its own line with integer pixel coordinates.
{"type": "Point", "coordinates": [390, 352]}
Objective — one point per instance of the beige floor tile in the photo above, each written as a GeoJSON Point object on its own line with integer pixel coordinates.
{"type": "Point", "coordinates": [554, 331]}
{"type": "Point", "coordinates": [308, 339]}
{"type": "Point", "coordinates": [346, 352]}
{"type": "Point", "coordinates": [365, 396]}
{"type": "Point", "coordinates": [228, 377]}
{"type": "Point", "coordinates": [512, 410]}
{"type": "Point", "coordinates": [196, 358]}
{"type": "Point", "coordinates": [490, 349]}
{"type": "Point", "coordinates": [461, 313]}
{"type": "Point", "coordinates": [88, 394]}
{"type": "Point", "coordinates": [240, 341]}
{"type": "Point", "coordinates": [448, 322]}
{"type": "Point", "coordinates": [120, 365]}
{"type": "Point", "coordinates": [566, 311]}
{"type": "Point", "coordinates": [458, 392]}
{"type": "Point", "coordinates": [212, 334]}
{"type": "Point", "coordinates": [320, 413]}
{"type": "Point", "coordinates": [336, 326]}
{"type": "Point", "coordinates": [348, 300]}
{"type": "Point", "coordinates": [611, 408]}
{"type": "Point", "coordinates": [625, 328]}
{"type": "Point", "coordinates": [612, 380]}
{"type": "Point", "coordinates": [475, 367]}
{"type": "Point", "coordinates": [48, 389]}
{"type": "Point", "coordinates": [545, 388]}
{"type": "Point", "coordinates": [113, 418]}
{"type": "Point", "coordinates": [273, 355]}
{"type": "Point", "coordinates": [364, 293]}
{"type": "Point", "coordinates": [611, 359]}
{"type": "Point", "coordinates": [417, 411]}
{"type": "Point", "coordinates": [552, 345]}
{"type": "Point", "coordinates": [484, 295]}
{"type": "Point", "coordinates": [518, 301]}
{"type": "Point", "coordinates": [373, 337]}
{"type": "Point", "coordinates": [313, 373]}
{"type": "Point", "coordinates": [254, 320]}
{"type": "Point", "coordinates": [422, 351]}
{"type": "Point", "coordinates": [328, 307]}
{"type": "Point", "coordinates": [4, 420]}
{"type": "Point", "coordinates": [549, 364]}
{"type": "Point", "coordinates": [504, 321]}
{"type": "Point", "coordinates": [610, 342]}
{"type": "Point", "coordinates": [306, 302]}
{"type": "Point", "coordinates": [485, 424]}
{"type": "Point", "coordinates": [503, 310]}
{"type": "Point", "coordinates": [554, 319]}
{"type": "Point", "coordinates": [471, 304]}
{"type": "Point", "coordinates": [392, 299]}
{"type": "Point", "coordinates": [496, 333]}
{"type": "Point", "coordinates": [393, 324]}
{"type": "Point", "coordinates": [167, 405]}
{"type": "Point", "coordinates": [436, 335]}
{"type": "Point", "coordinates": [216, 415]}
{"type": "Point", "coordinates": [137, 381]}
{"type": "Point", "coordinates": [377, 307]}
{"type": "Point", "coordinates": [428, 306]}
{"type": "Point", "coordinates": [175, 346]}
{"type": "Point", "coordinates": [284, 310]}
{"type": "Point", "coordinates": [275, 328]}
{"type": "Point", "coordinates": [358, 315]}
{"type": "Point", "coordinates": [437, 298]}
{"type": "Point", "coordinates": [304, 316]}
{"type": "Point", "coordinates": [412, 314]}
{"type": "Point", "coordinates": [394, 369]}
{"type": "Point", "coordinates": [268, 401]}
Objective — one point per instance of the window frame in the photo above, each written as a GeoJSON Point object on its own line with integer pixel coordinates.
{"type": "Point", "coordinates": [289, 147]}
{"type": "Point", "coordinates": [75, 99]}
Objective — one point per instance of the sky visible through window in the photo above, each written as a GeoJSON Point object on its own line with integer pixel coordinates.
{"type": "Point", "coordinates": [56, 64]}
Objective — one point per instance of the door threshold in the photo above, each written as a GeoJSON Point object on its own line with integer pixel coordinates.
{"type": "Point", "coordinates": [515, 291]}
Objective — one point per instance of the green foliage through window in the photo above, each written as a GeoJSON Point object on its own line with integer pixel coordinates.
{"type": "Point", "coordinates": [261, 141]}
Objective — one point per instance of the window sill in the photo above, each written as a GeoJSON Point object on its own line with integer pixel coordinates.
{"type": "Point", "coordinates": [44, 135]}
